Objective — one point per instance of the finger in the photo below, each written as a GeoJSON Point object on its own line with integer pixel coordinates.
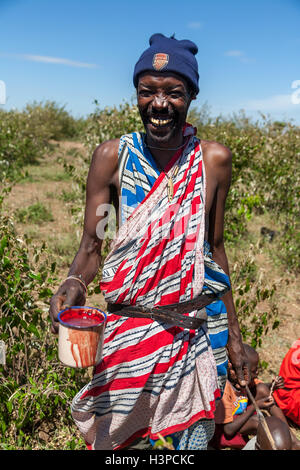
{"type": "Point", "coordinates": [269, 402]}
{"type": "Point", "coordinates": [56, 303]}
{"type": "Point", "coordinates": [54, 328]}
{"type": "Point", "coordinates": [71, 297]}
{"type": "Point", "coordinates": [242, 376]}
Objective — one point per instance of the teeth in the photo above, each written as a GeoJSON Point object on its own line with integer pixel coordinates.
{"type": "Point", "coordinates": [160, 122]}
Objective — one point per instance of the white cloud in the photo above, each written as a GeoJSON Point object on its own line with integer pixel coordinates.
{"type": "Point", "coordinates": [57, 60]}
{"type": "Point", "coordinates": [195, 25]}
{"type": "Point", "coordinates": [272, 103]}
{"type": "Point", "coordinates": [234, 53]}
{"type": "Point", "coordinates": [51, 60]}
{"type": "Point", "coordinates": [240, 55]}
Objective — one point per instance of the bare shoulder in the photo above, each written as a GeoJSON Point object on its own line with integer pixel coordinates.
{"type": "Point", "coordinates": [104, 164]}
{"type": "Point", "coordinates": [218, 163]}
{"type": "Point", "coordinates": [216, 154]}
{"type": "Point", "coordinates": [106, 154]}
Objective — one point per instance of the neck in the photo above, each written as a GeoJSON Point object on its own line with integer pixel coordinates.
{"type": "Point", "coordinates": [163, 153]}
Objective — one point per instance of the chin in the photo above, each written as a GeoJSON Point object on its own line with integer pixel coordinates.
{"type": "Point", "coordinates": [162, 135]}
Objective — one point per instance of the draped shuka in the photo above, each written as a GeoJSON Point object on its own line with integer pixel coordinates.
{"type": "Point", "coordinates": [154, 377]}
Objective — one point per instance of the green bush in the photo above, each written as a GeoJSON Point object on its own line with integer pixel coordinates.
{"type": "Point", "coordinates": [35, 389]}
{"type": "Point", "coordinates": [19, 146]}
{"type": "Point", "coordinates": [25, 135]}
{"type": "Point", "coordinates": [111, 123]}
{"type": "Point", "coordinates": [36, 213]}
{"type": "Point", "coordinates": [52, 121]}
{"type": "Point", "coordinates": [254, 301]}
{"type": "Point", "coordinates": [265, 175]}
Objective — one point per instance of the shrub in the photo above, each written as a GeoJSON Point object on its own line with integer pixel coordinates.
{"type": "Point", "coordinates": [265, 175]}
{"type": "Point", "coordinates": [25, 135]}
{"type": "Point", "coordinates": [51, 121]}
{"type": "Point", "coordinates": [111, 123]}
{"type": "Point", "coordinates": [35, 389]}
{"type": "Point", "coordinates": [36, 213]}
{"type": "Point", "coordinates": [254, 301]}
{"type": "Point", "coordinates": [18, 145]}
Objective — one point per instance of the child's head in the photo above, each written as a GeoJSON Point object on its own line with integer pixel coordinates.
{"type": "Point", "coordinates": [253, 358]}
{"type": "Point", "coordinates": [279, 431]}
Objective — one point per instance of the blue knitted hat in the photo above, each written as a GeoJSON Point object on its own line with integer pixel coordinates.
{"type": "Point", "coordinates": [169, 55]}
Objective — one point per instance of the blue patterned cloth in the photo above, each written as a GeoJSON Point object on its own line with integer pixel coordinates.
{"type": "Point", "coordinates": [137, 172]}
{"type": "Point", "coordinates": [196, 437]}
{"type": "Point", "coordinates": [217, 324]}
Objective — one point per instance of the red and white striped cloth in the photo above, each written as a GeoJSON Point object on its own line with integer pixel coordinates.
{"type": "Point", "coordinates": [154, 377]}
{"type": "Point", "coordinates": [157, 257]}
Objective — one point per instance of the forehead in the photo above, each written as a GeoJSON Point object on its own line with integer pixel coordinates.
{"type": "Point", "coordinates": [163, 80]}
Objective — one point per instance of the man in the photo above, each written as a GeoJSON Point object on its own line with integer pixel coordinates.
{"type": "Point", "coordinates": [158, 376]}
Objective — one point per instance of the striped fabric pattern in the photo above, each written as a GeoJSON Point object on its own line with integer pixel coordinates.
{"type": "Point", "coordinates": [217, 323]}
{"type": "Point", "coordinates": [154, 377]}
{"type": "Point", "coordinates": [146, 383]}
{"type": "Point", "coordinates": [137, 173]}
{"type": "Point", "coordinates": [161, 244]}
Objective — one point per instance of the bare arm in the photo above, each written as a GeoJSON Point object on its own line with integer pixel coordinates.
{"type": "Point", "coordinates": [101, 179]}
{"type": "Point", "coordinates": [245, 423]}
{"type": "Point", "coordinates": [218, 165]}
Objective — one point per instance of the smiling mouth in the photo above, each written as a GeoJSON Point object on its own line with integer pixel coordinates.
{"type": "Point", "coordinates": [160, 122]}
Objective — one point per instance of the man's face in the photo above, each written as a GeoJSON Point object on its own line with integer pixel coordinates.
{"type": "Point", "coordinates": [163, 102]}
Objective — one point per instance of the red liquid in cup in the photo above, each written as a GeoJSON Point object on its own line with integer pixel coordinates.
{"type": "Point", "coordinates": [81, 318]}
{"type": "Point", "coordinates": [80, 336]}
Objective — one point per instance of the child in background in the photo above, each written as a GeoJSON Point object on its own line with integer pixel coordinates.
{"type": "Point", "coordinates": [235, 415]}
{"type": "Point", "coordinates": [279, 431]}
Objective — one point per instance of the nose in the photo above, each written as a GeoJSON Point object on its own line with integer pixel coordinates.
{"type": "Point", "coordinates": [160, 102]}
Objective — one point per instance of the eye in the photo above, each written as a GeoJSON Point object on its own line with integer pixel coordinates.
{"type": "Point", "coordinates": [144, 93]}
{"type": "Point", "coordinates": [175, 94]}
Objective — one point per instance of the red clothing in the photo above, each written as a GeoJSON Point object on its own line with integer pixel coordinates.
{"type": "Point", "coordinates": [289, 400]}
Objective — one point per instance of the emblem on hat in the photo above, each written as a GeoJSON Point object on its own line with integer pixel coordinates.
{"type": "Point", "coordinates": [160, 61]}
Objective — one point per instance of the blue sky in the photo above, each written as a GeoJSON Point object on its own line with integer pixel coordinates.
{"type": "Point", "coordinates": [75, 51]}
